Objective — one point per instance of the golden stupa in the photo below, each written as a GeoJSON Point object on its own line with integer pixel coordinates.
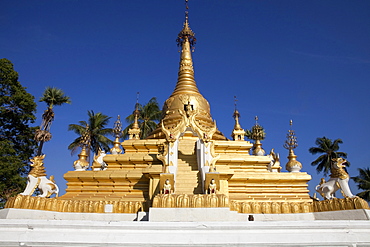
{"type": "Point", "coordinates": [185, 162]}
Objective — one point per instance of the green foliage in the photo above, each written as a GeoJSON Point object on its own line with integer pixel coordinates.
{"type": "Point", "coordinates": [257, 132]}
{"type": "Point", "coordinates": [363, 183]}
{"type": "Point", "coordinates": [328, 150]}
{"type": "Point", "coordinates": [17, 108]}
{"type": "Point", "coordinates": [149, 116]}
{"type": "Point", "coordinates": [54, 96]}
{"type": "Point", "coordinates": [92, 133]}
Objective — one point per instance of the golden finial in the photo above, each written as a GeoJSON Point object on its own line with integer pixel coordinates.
{"type": "Point", "coordinates": [291, 143]}
{"type": "Point", "coordinates": [235, 100]}
{"type": "Point", "coordinates": [117, 130]}
{"type": "Point", "coordinates": [134, 131]}
{"type": "Point", "coordinates": [136, 112]}
{"type": "Point", "coordinates": [186, 32]}
{"type": "Point", "coordinates": [236, 112]}
{"type": "Point", "coordinates": [186, 41]}
{"type": "Point", "coordinates": [256, 133]}
{"type": "Point", "coordinates": [236, 116]}
{"type": "Point", "coordinates": [238, 132]}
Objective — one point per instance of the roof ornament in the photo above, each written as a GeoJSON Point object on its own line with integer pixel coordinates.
{"type": "Point", "coordinates": [235, 100]}
{"type": "Point", "coordinates": [117, 131]}
{"type": "Point", "coordinates": [134, 131]}
{"type": "Point", "coordinates": [236, 116]}
{"type": "Point", "coordinates": [256, 133]}
{"type": "Point", "coordinates": [291, 143]}
{"type": "Point", "coordinates": [238, 132]}
{"type": "Point", "coordinates": [186, 32]}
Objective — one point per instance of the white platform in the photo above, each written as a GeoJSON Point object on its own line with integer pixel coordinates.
{"type": "Point", "coordinates": [16, 229]}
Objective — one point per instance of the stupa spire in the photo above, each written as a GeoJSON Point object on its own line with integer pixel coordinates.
{"type": "Point", "coordinates": [186, 107]}
{"type": "Point", "coordinates": [117, 131]}
{"type": "Point", "coordinates": [186, 41]}
{"type": "Point", "coordinates": [238, 132]}
{"type": "Point", "coordinates": [134, 131]}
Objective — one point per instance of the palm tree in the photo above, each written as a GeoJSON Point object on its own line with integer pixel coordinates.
{"type": "Point", "coordinates": [148, 117]}
{"type": "Point", "coordinates": [363, 183]}
{"type": "Point", "coordinates": [52, 97]}
{"type": "Point", "coordinates": [92, 133]}
{"type": "Point", "coordinates": [328, 150]}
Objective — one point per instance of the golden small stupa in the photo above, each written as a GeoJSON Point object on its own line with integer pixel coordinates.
{"type": "Point", "coordinates": [185, 162]}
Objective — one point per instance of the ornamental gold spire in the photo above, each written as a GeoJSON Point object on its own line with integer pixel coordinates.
{"type": "Point", "coordinates": [291, 143]}
{"type": "Point", "coordinates": [238, 132]}
{"type": "Point", "coordinates": [134, 131]}
{"type": "Point", "coordinates": [186, 107]}
{"type": "Point", "coordinates": [186, 41]}
{"type": "Point", "coordinates": [256, 133]}
{"type": "Point", "coordinates": [117, 131]}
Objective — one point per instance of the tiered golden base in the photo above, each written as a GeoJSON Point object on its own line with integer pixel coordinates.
{"type": "Point", "coordinates": [185, 201]}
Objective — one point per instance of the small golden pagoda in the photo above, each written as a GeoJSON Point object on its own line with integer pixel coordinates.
{"type": "Point", "coordinates": [185, 162]}
{"type": "Point", "coordinates": [190, 153]}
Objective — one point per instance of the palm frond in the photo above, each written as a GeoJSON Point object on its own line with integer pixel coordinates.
{"type": "Point", "coordinates": [54, 96]}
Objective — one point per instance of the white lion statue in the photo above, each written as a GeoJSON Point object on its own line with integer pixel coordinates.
{"type": "Point", "coordinates": [37, 179]}
{"type": "Point", "coordinates": [338, 180]}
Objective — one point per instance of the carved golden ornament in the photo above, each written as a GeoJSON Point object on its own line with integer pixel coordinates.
{"type": "Point", "coordinates": [117, 131]}
{"type": "Point", "coordinates": [270, 207]}
{"type": "Point", "coordinates": [37, 164]}
{"type": "Point", "coordinates": [74, 206]}
{"type": "Point", "coordinates": [190, 201]}
{"type": "Point", "coordinates": [173, 125]}
{"type": "Point", "coordinates": [162, 156]}
{"type": "Point", "coordinates": [336, 204]}
{"type": "Point", "coordinates": [257, 132]}
{"type": "Point", "coordinates": [215, 158]}
{"type": "Point", "coordinates": [337, 170]}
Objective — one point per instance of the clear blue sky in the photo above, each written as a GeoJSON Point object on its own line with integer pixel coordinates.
{"type": "Point", "coordinates": [303, 60]}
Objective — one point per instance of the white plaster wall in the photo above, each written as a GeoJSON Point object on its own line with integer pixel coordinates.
{"type": "Point", "coordinates": [115, 231]}
{"type": "Point", "coordinates": [17, 232]}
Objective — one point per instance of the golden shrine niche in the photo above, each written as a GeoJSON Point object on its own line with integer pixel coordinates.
{"type": "Point", "coordinates": [199, 165]}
